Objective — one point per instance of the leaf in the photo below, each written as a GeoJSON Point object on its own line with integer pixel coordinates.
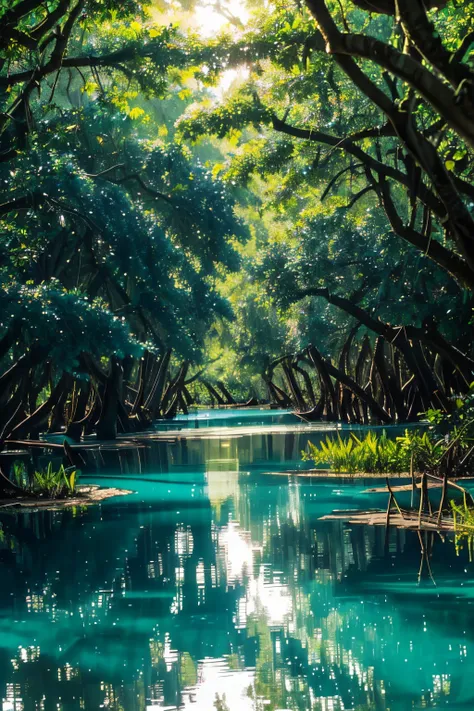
{"type": "Point", "coordinates": [136, 112]}
{"type": "Point", "coordinates": [450, 164]}
{"type": "Point", "coordinates": [89, 88]}
{"type": "Point", "coordinates": [217, 168]}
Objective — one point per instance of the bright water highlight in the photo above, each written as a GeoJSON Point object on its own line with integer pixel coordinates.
{"type": "Point", "coordinates": [216, 586]}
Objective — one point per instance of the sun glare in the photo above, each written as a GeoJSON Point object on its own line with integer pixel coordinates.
{"type": "Point", "coordinates": [210, 19]}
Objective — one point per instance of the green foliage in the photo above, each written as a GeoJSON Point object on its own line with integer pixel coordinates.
{"type": "Point", "coordinates": [458, 426]}
{"type": "Point", "coordinates": [241, 109]}
{"type": "Point", "coordinates": [49, 483]}
{"type": "Point", "coordinates": [460, 421]}
{"type": "Point", "coordinates": [328, 227]}
{"type": "Point", "coordinates": [138, 187]}
{"type": "Point", "coordinates": [182, 227]}
{"type": "Point", "coordinates": [65, 324]}
{"type": "Point", "coordinates": [463, 518]}
{"type": "Point", "coordinates": [378, 454]}
{"type": "Point", "coordinates": [99, 260]}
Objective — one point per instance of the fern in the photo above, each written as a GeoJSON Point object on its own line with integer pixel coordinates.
{"type": "Point", "coordinates": [377, 454]}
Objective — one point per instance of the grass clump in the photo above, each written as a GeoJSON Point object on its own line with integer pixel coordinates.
{"type": "Point", "coordinates": [49, 483]}
{"type": "Point", "coordinates": [378, 454]}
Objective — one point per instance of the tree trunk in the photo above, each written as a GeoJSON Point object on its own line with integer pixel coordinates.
{"type": "Point", "coordinates": [76, 426]}
{"type": "Point", "coordinates": [378, 411]}
{"type": "Point", "coordinates": [174, 395]}
{"type": "Point", "coordinates": [106, 427]}
{"type": "Point", "coordinates": [294, 385]}
{"type": "Point", "coordinates": [153, 402]}
{"type": "Point", "coordinates": [329, 391]}
{"type": "Point", "coordinates": [213, 392]}
{"type": "Point", "coordinates": [226, 393]}
{"type": "Point", "coordinates": [34, 422]}
{"type": "Point", "coordinates": [307, 381]}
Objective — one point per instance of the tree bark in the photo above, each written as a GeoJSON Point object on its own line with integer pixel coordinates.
{"type": "Point", "coordinates": [33, 423]}
{"type": "Point", "coordinates": [153, 402]}
{"type": "Point", "coordinates": [76, 426]}
{"type": "Point", "coordinates": [373, 405]}
{"type": "Point", "coordinates": [329, 391]}
{"type": "Point", "coordinates": [106, 427]}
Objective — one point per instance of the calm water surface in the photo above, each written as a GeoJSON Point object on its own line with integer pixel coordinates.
{"type": "Point", "coordinates": [216, 586]}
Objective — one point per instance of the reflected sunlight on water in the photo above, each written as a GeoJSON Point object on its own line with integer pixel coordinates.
{"type": "Point", "coordinates": [216, 586]}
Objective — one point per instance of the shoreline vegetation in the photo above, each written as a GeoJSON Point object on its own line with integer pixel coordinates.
{"type": "Point", "coordinates": [431, 452]}
{"type": "Point", "coordinates": [429, 460]}
{"type": "Point", "coordinates": [51, 488]}
{"type": "Point", "coordinates": [85, 496]}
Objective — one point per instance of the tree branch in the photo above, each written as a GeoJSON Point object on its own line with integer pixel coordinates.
{"type": "Point", "coordinates": [448, 260]}
{"type": "Point", "coordinates": [399, 336]}
{"type": "Point", "coordinates": [459, 222]}
{"type": "Point", "coordinates": [146, 188]}
{"type": "Point", "coordinates": [457, 111]}
{"type": "Point", "coordinates": [421, 32]}
{"type": "Point", "coordinates": [382, 169]}
{"type": "Point", "coordinates": [112, 59]}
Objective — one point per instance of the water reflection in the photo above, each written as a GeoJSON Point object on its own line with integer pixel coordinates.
{"type": "Point", "coordinates": [216, 587]}
{"type": "Point", "coordinates": [248, 450]}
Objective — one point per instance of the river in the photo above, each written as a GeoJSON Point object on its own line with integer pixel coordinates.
{"type": "Point", "coordinates": [215, 585]}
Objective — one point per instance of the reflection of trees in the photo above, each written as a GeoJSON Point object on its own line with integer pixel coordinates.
{"type": "Point", "coordinates": [255, 452]}
{"type": "Point", "coordinates": [150, 594]}
{"type": "Point", "coordinates": [39, 683]}
{"type": "Point", "coordinates": [330, 650]}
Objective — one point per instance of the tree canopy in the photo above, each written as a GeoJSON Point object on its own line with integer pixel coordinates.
{"type": "Point", "coordinates": [280, 210]}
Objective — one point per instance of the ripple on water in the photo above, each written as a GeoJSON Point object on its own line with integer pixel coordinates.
{"type": "Point", "coordinates": [217, 586]}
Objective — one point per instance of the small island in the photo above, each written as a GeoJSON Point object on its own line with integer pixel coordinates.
{"type": "Point", "coordinates": [83, 496]}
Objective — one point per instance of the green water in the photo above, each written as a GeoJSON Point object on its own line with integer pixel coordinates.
{"type": "Point", "coordinates": [216, 586]}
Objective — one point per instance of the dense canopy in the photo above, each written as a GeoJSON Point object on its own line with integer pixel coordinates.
{"type": "Point", "coordinates": [275, 208]}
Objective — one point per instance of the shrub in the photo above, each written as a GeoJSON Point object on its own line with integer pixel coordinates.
{"type": "Point", "coordinates": [378, 454]}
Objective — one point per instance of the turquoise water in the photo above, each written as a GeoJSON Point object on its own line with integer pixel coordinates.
{"type": "Point", "coordinates": [231, 417]}
{"type": "Point", "coordinates": [215, 585]}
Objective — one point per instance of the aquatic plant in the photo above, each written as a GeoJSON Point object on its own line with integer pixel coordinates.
{"type": "Point", "coordinates": [51, 483]}
{"type": "Point", "coordinates": [378, 454]}
{"type": "Point", "coordinates": [463, 519]}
